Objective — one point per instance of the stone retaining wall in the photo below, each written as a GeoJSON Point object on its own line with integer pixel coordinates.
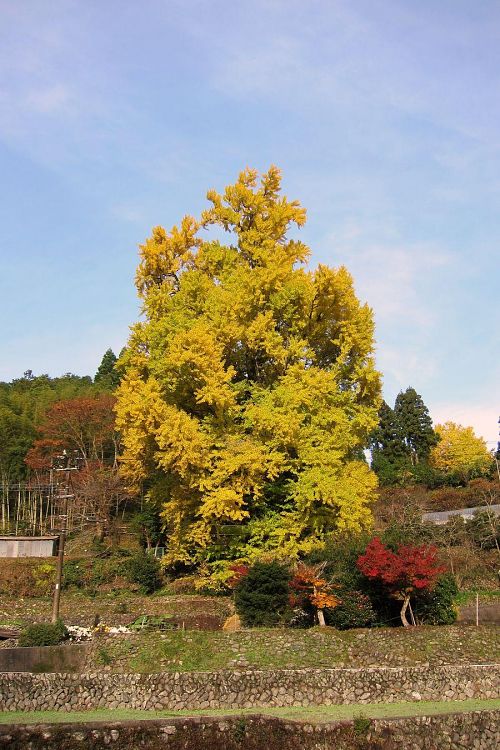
{"type": "Point", "coordinates": [245, 689]}
{"type": "Point", "coordinates": [479, 730]}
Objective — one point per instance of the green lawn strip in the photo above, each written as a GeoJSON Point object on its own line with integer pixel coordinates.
{"type": "Point", "coordinates": [382, 710]}
{"type": "Point", "coordinates": [486, 596]}
{"type": "Point", "coordinates": [297, 713]}
{"type": "Point", "coordinates": [187, 651]}
{"type": "Point", "coordinates": [280, 648]}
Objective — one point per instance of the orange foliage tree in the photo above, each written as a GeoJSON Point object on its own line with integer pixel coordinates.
{"type": "Point", "coordinates": [309, 586]}
{"type": "Point", "coordinates": [85, 425]}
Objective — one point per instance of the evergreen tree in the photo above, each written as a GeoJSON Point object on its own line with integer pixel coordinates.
{"type": "Point", "coordinates": [261, 596]}
{"type": "Point", "coordinates": [387, 437]}
{"type": "Point", "coordinates": [107, 375]}
{"type": "Point", "coordinates": [388, 446]}
{"type": "Point", "coordinates": [415, 424]}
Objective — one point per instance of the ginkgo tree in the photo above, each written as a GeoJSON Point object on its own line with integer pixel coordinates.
{"type": "Point", "coordinates": [249, 388]}
{"type": "Point", "coordinates": [460, 450]}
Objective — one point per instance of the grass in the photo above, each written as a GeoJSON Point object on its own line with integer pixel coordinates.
{"type": "Point", "coordinates": [486, 596]}
{"type": "Point", "coordinates": [201, 651]}
{"type": "Point", "coordinates": [263, 649]}
{"type": "Point", "coordinates": [321, 714]}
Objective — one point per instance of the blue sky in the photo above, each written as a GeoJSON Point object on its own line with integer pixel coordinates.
{"type": "Point", "coordinates": [383, 115]}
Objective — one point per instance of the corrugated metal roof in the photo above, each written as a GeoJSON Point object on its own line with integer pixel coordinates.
{"type": "Point", "coordinates": [29, 538]}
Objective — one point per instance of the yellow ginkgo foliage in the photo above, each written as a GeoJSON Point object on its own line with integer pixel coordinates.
{"type": "Point", "coordinates": [249, 388]}
{"type": "Point", "coordinates": [460, 450]}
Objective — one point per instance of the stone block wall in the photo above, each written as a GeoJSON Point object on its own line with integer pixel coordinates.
{"type": "Point", "coordinates": [245, 689]}
{"type": "Point", "coordinates": [479, 730]}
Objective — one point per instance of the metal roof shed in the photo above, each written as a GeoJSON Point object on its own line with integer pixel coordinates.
{"type": "Point", "coordinates": [28, 546]}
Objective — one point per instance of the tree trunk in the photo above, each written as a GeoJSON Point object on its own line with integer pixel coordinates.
{"type": "Point", "coordinates": [321, 619]}
{"type": "Point", "coordinates": [406, 602]}
{"type": "Point", "coordinates": [100, 530]}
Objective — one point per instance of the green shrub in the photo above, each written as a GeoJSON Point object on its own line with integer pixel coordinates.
{"type": "Point", "coordinates": [43, 575]}
{"type": "Point", "coordinates": [154, 622]}
{"type": "Point", "coordinates": [261, 596]}
{"type": "Point", "coordinates": [43, 634]}
{"type": "Point", "coordinates": [409, 529]}
{"type": "Point", "coordinates": [99, 548]}
{"type": "Point", "coordinates": [339, 556]}
{"type": "Point", "coordinates": [73, 574]}
{"type": "Point", "coordinates": [148, 526]}
{"type": "Point", "coordinates": [361, 724]}
{"type": "Point", "coordinates": [388, 472]}
{"type": "Point", "coordinates": [91, 575]}
{"type": "Point", "coordinates": [106, 569]}
{"type": "Point", "coordinates": [104, 657]}
{"type": "Point", "coordinates": [354, 611]}
{"type": "Point", "coordinates": [239, 730]}
{"type": "Point", "coordinates": [438, 607]}
{"type": "Point", "coordinates": [144, 570]}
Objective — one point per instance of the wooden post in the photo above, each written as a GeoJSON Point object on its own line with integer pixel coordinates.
{"type": "Point", "coordinates": [411, 614]}
{"type": "Point", "coordinates": [67, 469]}
{"type": "Point", "coordinates": [60, 560]}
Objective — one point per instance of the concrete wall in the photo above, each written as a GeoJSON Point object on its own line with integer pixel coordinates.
{"type": "Point", "coordinates": [479, 730]}
{"type": "Point", "coordinates": [68, 658]}
{"type": "Point", "coordinates": [443, 516]}
{"type": "Point", "coordinates": [245, 689]}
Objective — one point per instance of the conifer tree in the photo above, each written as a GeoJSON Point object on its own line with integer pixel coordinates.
{"type": "Point", "coordinates": [387, 445]}
{"type": "Point", "coordinates": [107, 375]}
{"type": "Point", "coordinates": [415, 424]}
{"type": "Point", "coordinates": [249, 388]}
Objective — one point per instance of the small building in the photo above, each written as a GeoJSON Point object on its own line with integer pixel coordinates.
{"type": "Point", "coordinates": [28, 546]}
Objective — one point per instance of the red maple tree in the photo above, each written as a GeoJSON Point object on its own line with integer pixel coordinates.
{"type": "Point", "coordinates": [409, 569]}
{"type": "Point", "coordinates": [84, 425]}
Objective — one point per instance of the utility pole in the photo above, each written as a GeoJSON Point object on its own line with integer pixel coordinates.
{"type": "Point", "coordinates": [497, 453]}
{"type": "Point", "coordinates": [64, 495]}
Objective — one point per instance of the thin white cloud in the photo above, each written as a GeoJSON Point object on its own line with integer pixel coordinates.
{"type": "Point", "coordinates": [389, 278]}
{"type": "Point", "coordinates": [358, 57]}
{"type": "Point", "coordinates": [400, 281]}
{"type": "Point", "coordinates": [129, 213]}
{"type": "Point", "coordinates": [50, 99]}
{"type": "Point", "coordinates": [389, 275]}
{"type": "Point", "coordinates": [404, 365]}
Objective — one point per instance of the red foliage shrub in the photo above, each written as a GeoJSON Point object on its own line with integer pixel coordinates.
{"type": "Point", "coordinates": [409, 569]}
